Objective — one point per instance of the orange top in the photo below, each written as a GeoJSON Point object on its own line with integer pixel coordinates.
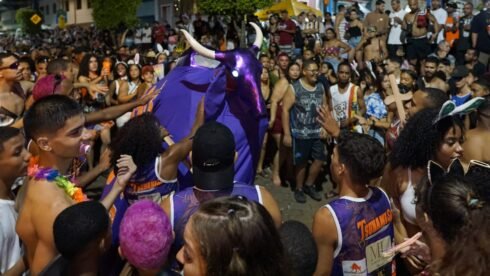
{"type": "Point", "coordinates": [451, 36]}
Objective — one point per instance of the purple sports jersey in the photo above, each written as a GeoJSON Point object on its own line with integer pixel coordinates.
{"type": "Point", "coordinates": [187, 201]}
{"type": "Point", "coordinates": [364, 230]}
{"type": "Point", "coordinates": [144, 184]}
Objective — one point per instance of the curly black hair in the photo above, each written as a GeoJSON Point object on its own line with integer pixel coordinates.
{"type": "Point", "coordinates": [140, 137]}
{"type": "Point", "coordinates": [420, 139]}
{"type": "Point", "coordinates": [362, 154]}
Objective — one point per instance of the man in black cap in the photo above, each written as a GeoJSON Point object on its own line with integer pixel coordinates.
{"type": "Point", "coordinates": [461, 80]}
{"type": "Point", "coordinates": [378, 19]}
{"type": "Point", "coordinates": [213, 156]}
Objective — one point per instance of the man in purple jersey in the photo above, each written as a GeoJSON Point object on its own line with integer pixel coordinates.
{"type": "Point", "coordinates": [213, 157]}
{"type": "Point", "coordinates": [354, 230]}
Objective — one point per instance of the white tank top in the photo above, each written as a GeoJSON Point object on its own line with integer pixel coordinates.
{"type": "Point", "coordinates": [407, 201]}
{"type": "Point", "coordinates": [342, 30]}
{"type": "Point", "coordinates": [118, 85]}
{"type": "Point", "coordinates": [340, 102]}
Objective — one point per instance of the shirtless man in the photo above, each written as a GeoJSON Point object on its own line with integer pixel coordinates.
{"type": "Point", "coordinates": [416, 23]}
{"type": "Point", "coordinates": [10, 75]}
{"type": "Point", "coordinates": [476, 144]}
{"type": "Point", "coordinates": [429, 79]}
{"type": "Point", "coordinates": [378, 19]}
{"type": "Point", "coordinates": [371, 48]}
{"type": "Point", "coordinates": [55, 124]}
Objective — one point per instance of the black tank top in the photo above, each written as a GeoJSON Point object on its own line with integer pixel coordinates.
{"type": "Point", "coordinates": [354, 31]}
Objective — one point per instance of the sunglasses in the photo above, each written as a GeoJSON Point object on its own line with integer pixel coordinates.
{"type": "Point", "coordinates": [12, 66]}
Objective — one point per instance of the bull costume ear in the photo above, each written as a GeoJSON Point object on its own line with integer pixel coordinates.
{"type": "Point", "coordinates": [203, 51]}
{"type": "Point", "coordinates": [259, 37]}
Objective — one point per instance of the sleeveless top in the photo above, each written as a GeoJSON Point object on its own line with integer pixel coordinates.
{"type": "Point", "coordinates": [186, 202]}
{"type": "Point", "coordinates": [449, 35]}
{"type": "Point", "coordinates": [118, 86]}
{"type": "Point", "coordinates": [364, 231]}
{"type": "Point", "coordinates": [123, 119]}
{"type": "Point", "coordinates": [407, 201]}
{"type": "Point", "coordinates": [303, 113]}
{"type": "Point", "coordinates": [344, 105]}
{"type": "Point", "coordinates": [332, 51]}
{"type": "Point", "coordinates": [354, 31]}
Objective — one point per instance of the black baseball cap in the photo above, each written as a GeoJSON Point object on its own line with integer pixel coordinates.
{"type": "Point", "coordinates": [460, 72]}
{"type": "Point", "coordinates": [213, 157]}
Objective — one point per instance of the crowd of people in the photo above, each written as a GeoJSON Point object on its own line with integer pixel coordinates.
{"type": "Point", "coordinates": [392, 107]}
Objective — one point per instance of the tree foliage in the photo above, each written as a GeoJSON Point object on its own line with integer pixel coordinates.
{"type": "Point", "coordinates": [23, 18]}
{"type": "Point", "coordinates": [232, 7]}
{"type": "Point", "coordinates": [111, 14]}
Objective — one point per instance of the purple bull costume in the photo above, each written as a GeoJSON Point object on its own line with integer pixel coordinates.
{"type": "Point", "coordinates": [230, 82]}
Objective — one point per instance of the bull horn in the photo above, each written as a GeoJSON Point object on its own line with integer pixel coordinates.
{"type": "Point", "coordinates": [259, 37]}
{"type": "Point", "coordinates": [203, 51]}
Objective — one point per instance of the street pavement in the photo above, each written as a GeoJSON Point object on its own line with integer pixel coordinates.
{"type": "Point", "coordinates": [290, 209]}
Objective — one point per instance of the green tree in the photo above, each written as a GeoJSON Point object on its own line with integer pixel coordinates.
{"type": "Point", "coordinates": [112, 14]}
{"type": "Point", "coordinates": [23, 18]}
{"type": "Point", "coordinates": [236, 8]}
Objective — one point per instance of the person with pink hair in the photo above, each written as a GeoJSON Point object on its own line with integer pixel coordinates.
{"type": "Point", "coordinates": [146, 251]}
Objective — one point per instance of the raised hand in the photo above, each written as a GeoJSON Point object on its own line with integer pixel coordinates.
{"type": "Point", "coordinates": [126, 169]}
{"type": "Point", "coordinates": [150, 95]}
{"type": "Point", "coordinates": [327, 121]}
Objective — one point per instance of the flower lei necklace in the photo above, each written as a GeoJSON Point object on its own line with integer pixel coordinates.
{"type": "Point", "coordinates": [53, 175]}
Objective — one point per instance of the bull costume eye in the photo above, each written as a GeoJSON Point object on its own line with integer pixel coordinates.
{"type": "Point", "coordinates": [240, 65]}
